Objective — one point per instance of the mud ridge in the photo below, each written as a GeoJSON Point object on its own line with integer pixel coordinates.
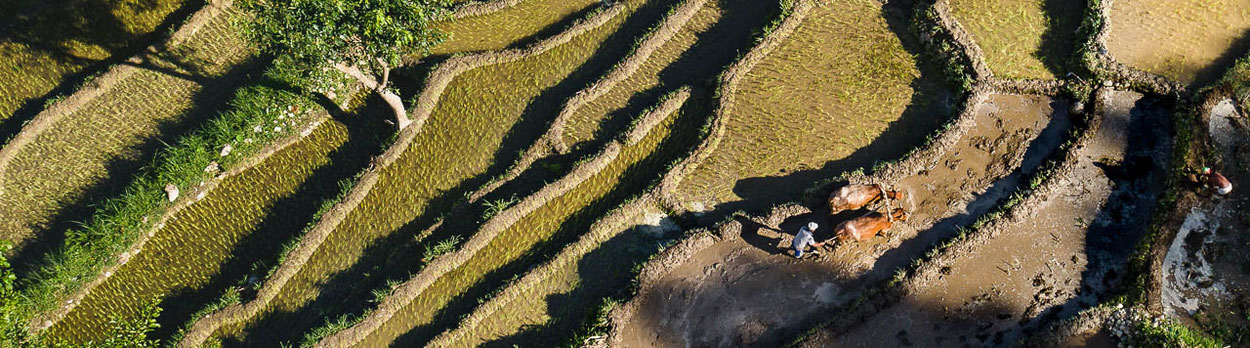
{"type": "Point", "coordinates": [726, 89]}
{"type": "Point", "coordinates": [599, 231]}
{"type": "Point", "coordinates": [427, 100]}
{"type": "Point", "coordinates": [1105, 64]}
{"type": "Point", "coordinates": [553, 138]}
{"type": "Point", "coordinates": [1056, 334]}
{"type": "Point", "coordinates": [478, 8]}
{"type": "Point", "coordinates": [925, 272]}
{"type": "Point", "coordinates": [410, 289]}
{"type": "Point", "coordinates": [109, 78]}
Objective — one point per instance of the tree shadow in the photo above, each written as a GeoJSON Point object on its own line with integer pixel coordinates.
{"type": "Point", "coordinates": [53, 28]}
{"type": "Point", "coordinates": [397, 256]}
{"type": "Point", "coordinates": [260, 249]}
{"type": "Point", "coordinates": [212, 100]}
{"type": "Point", "coordinates": [1063, 18]}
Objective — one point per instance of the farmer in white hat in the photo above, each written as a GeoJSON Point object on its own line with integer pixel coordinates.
{"type": "Point", "coordinates": [804, 239]}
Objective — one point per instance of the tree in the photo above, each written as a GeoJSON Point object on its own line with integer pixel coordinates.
{"type": "Point", "coordinates": [364, 39]}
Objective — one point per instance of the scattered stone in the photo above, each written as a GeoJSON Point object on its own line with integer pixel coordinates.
{"type": "Point", "coordinates": [171, 192]}
{"type": "Point", "coordinates": [212, 167]}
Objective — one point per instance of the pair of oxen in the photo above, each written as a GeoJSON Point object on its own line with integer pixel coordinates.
{"type": "Point", "coordinates": [872, 223]}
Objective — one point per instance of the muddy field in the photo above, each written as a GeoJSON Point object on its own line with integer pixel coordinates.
{"type": "Point", "coordinates": [721, 296]}
{"type": "Point", "coordinates": [1064, 254]}
{"type": "Point", "coordinates": [1187, 40]}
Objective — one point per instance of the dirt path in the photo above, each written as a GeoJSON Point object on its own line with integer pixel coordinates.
{"type": "Point", "coordinates": [714, 298]}
{"type": "Point", "coordinates": [1054, 258]}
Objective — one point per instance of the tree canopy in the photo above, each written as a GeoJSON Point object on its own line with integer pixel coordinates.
{"type": "Point", "coordinates": [358, 37]}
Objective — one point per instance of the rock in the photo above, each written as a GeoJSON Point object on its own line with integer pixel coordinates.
{"type": "Point", "coordinates": [200, 195]}
{"type": "Point", "coordinates": [1077, 108]}
{"type": "Point", "coordinates": [225, 150]}
{"type": "Point", "coordinates": [171, 192]}
{"type": "Point", "coordinates": [212, 168]}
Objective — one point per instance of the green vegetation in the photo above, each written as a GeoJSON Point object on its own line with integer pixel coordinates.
{"type": "Point", "coordinates": [804, 112]}
{"type": "Point", "coordinates": [540, 233]}
{"type": "Point", "coordinates": [91, 153]}
{"type": "Point", "coordinates": [509, 27]}
{"type": "Point", "coordinates": [46, 45]}
{"type": "Point", "coordinates": [188, 252]}
{"type": "Point", "coordinates": [1030, 39]}
{"type": "Point", "coordinates": [1167, 333]}
{"type": "Point", "coordinates": [686, 59]}
{"type": "Point", "coordinates": [363, 39]}
{"type": "Point", "coordinates": [483, 114]}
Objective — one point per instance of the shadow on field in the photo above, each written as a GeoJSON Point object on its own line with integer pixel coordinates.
{"type": "Point", "coordinates": [634, 179]}
{"type": "Point", "coordinates": [397, 256]}
{"type": "Point", "coordinates": [55, 27]}
{"type": "Point", "coordinates": [1063, 19]}
{"type": "Point", "coordinates": [1111, 239]}
{"type": "Point", "coordinates": [1212, 72]}
{"type": "Point", "coordinates": [931, 107]}
{"type": "Point", "coordinates": [260, 249]}
{"type": "Point", "coordinates": [206, 104]}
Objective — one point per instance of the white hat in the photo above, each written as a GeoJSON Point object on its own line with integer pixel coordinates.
{"type": "Point", "coordinates": [811, 226]}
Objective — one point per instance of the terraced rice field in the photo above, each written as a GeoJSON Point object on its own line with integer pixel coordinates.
{"type": "Point", "coordinates": [195, 246]}
{"type": "Point", "coordinates": [53, 174]}
{"type": "Point", "coordinates": [632, 173]}
{"type": "Point", "coordinates": [1186, 41]}
{"type": "Point", "coordinates": [804, 113]}
{"type": "Point", "coordinates": [555, 223]}
{"type": "Point", "coordinates": [1023, 39]}
{"type": "Point", "coordinates": [481, 117]}
{"type": "Point", "coordinates": [44, 46]}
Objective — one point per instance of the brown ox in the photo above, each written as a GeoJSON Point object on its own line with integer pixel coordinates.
{"type": "Point", "coordinates": [867, 226]}
{"type": "Point", "coordinates": [855, 196]}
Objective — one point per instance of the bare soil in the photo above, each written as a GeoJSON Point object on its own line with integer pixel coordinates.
{"type": "Point", "coordinates": [1203, 273]}
{"type": "Point", "coordinates": [717, 297]}
{"type": "Point", "coordinates": [1060, 258]}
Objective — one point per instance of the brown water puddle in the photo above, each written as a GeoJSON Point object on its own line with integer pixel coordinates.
{"type": "Point", "coordinates": [1056, 258]}
{"type": "Point", "coordinates": [747, 292]}
{"type": "Point", "coordinates": [1185, 40]}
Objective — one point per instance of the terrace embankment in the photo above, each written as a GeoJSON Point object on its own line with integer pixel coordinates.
{"type": "Point", "coordinates": [48, 48]}
{"type": "Point", "coordinates": [1058, 252]}
{"type": "Point", "coordinates": [60, 163]}
{"type": "Point", "coordinates": [522, 21]}
{"type": "Point", "coordinates": [550, 300]}
{"type": "Point", "coordinates": [198, 251]}
{"type": "Point", "coordinates": [481, 109]}
{"type": "Point", "coordinates": [1022, 39]}
{"type": "Point", "coordinates": [692, 55]}
{"type": "Point", "coordinates": [532, 237]}
{"type": "Point", "coordinates": [1187, 41]}
{"type": "Point", "coordinates": [546, 304]}
{"type": "Point", "coordinates": [717, 296]}
{"type": "Point", "coordinates": [801, 113]}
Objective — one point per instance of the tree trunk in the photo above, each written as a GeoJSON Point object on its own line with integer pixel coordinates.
{"type": "Point", "coordinates": [392, 100]}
